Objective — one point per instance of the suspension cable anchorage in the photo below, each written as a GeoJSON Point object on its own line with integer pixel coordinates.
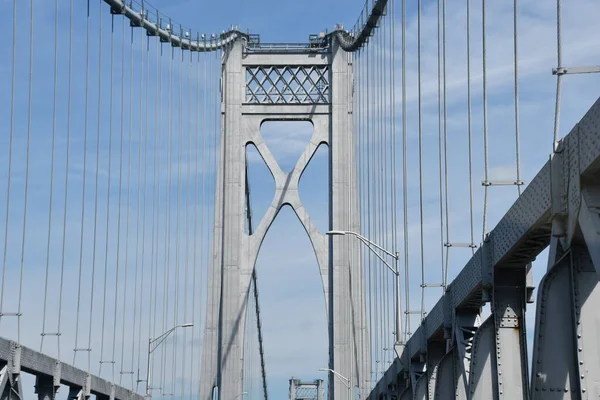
{"type": "Point", "coordinates": [117, 9]}
{"type": "Point", "coordinates": [180, 42]}
{"type": "Point", "coordinates": [138, 22]}
{"type": "Point", "coordinates": [152, 31]}
{"type": "Point", "coordinates": [186, 44]}
{"type": "Point", "coordinates": [162, 38]}
{"type": "Point", "coordinates": [576, 70]}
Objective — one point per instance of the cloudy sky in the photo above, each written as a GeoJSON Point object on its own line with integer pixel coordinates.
{"type": "Point", "coordinates": [291, 294]}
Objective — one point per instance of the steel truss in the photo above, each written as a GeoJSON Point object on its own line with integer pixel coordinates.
{"type": "Point", "coordinates": [299, 84]}
{"type": "Point", "coordinates": [453, 356]}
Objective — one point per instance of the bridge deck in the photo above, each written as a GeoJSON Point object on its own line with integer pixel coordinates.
{"type": "Point", "coordinates": [36, 363]}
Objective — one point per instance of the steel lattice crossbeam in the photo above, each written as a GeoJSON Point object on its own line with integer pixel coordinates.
{"type": "Point", "coordinates": [306, 393]}
{"type": "Point", "coordinates": [299, 84]}
{"type": "Point", "coordinates": [306, 390]}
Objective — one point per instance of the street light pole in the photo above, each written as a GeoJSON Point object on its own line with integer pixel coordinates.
{"type": "Point", "coordinates": [399, 345]}
{"type": "Point", "coordinates": [345, 380]}
{"type": "Point", "coordinates": [151, 349]}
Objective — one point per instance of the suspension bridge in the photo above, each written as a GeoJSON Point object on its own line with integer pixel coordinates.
{"type": "Point", "coordinates": [456, 228]}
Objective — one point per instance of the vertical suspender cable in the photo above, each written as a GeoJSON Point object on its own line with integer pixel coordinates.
{"type": "Point", "coordinates": [420, 159]}
{"type": "Point", "coordinates": [203, 218]}
{"type": "Point", "coordinates": [372, 327]}
{"type": "Point", "coordinates": [187, 224]}
{"type": "Point", "coordinates": [10, 153]}
{"type": "Point", "coordinates": [516, 68]}
{"type": "Point", "coordinates": [168, 216]}
{"type": "Point", "coordinates": [404, 176]}
{"type": "Point", "coordinates": [136, 255]}
{"type": "Point", "coordinates": [356, 141]}
{"type": "Point", "coordinates": [469, 122]}
{"type": "Point", "coordinates": [67, 157]}
{"type": "Point", "coordinates": [177, 222]}
{"type": "Point", "coordinates": [196, 132]}
{"type": "Point", "coordinates": [126, 269]}
{"type": "Point", "coordinates": [84, 186]}
{"type": "Point", "coordinates": [377, 190]}
{"type": "Point", "coordinates": [385, 198]}
{"type": "Point", "coordinates": [51, 179]}
{"type": "Point", "coordinates": [485, 120]}
{"type": "Point", "coordinates": [156, 205]}
{"type": "Point", "coordinates": [151, 188]}
{"type": "Point", "coordinates": [445, 134]}
{"type": "Point", "coordinates": [129, 185]}
{"type": "Point", "coordinates": [144, 89]}
{"type": "Point", "coordinates": [358, 163]}
{"type": "Point", "coordinates": [26, 197]}
{"type": "Point", "coordinates": [373, 211]}
{"type": "Point", "coordinates": [158, 109]}
{"type": "Point", "coordinates": [109, 184]}
{"type": "Point", "coordinates": [97, 173]}
{"type": "Point", "coordinates": [140, 214]}
{"type": "Point", "coordinates": [440, 140]}
{"type": "Point", "coordinates": [559, 73]}
{"type": "Point", "coordinates": [394, 142]}
{"type": "Point", "coordinates": [151, 291]}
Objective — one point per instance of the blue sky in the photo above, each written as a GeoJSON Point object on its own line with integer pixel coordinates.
{"type": "Point", "coordinates": [291, 296]}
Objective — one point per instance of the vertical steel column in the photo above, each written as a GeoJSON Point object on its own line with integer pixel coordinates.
{"type": "Point", "coordinates": [509, 299]}
{"type": "Point", "coordinates": [293, 389]}
{"type": "Point", "coordinates": [10, 376]}
{"type": "Point", "coordinates": [320, 390]}
{"type": "Point", "coordinates": [222, 362]}
{"type": "Point", "coordinates": [46, 387]}
{"type": "Point", "coordinates": [343, 209]}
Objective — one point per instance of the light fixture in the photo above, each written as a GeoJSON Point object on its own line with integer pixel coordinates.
{"type": "Point", "coordinates": [337, 233]}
